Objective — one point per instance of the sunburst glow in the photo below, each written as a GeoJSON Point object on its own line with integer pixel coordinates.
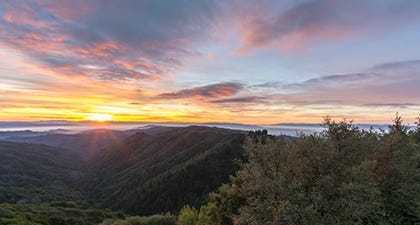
{"type": "Point", "coordinates": [99, 117]}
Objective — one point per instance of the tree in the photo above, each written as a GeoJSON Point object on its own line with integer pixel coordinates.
{"type": "Point", "coordinates": [416, 133]}
{"type": "Point", "coordinates": [341, 176]}
{"type": "Point", "coordinates": [188, 216]}
{"type": "Point", "coordinates": [398, 128]}
{"type": "Point", "coordinates": [222, 206]}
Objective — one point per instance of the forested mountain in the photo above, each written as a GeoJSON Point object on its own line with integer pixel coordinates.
{"type": "Point", "coordinates": [37, 173]}
{"type": "Point", "coordinates": [154, 173]}
{"type": "Point", "coordinates": [155, 170]}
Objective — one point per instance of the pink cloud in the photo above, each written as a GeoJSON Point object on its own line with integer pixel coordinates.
{"type": "Point", "coordinates": [99, 49]}
{"type": "Point", "coordinates": [69, 11]}
{"type": "Point", "coordinates": [75, 37]}
{"type": "Point", "coordinates": [25, 15]}
{"type": "Point", "coordinates": [317, 22]}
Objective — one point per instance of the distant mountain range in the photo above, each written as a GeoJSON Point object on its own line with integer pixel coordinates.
{"type": "Point", "coordinates": [65, 127]}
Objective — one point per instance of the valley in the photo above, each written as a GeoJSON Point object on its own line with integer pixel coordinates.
{"type": "Point", "coordinates": [139, 172]}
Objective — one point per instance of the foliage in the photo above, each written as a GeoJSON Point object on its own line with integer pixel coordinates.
{"type": "Point", "coordinates": [149, 220]}
{"type": "Point", "coordinates": [53, 214]}
{"type": "Point", "coordinates": [415, 134]}
{"type": "Point", "coordinates": [222, 205]}
{"type": "Point", "coordinates": [187, 216]}
{"type": "Point", "coordinates": [340, 176]}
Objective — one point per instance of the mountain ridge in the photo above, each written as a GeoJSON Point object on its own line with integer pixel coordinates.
{"type": "Point", "coordinates": [162, 160]}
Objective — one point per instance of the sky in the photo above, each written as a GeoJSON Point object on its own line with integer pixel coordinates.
{"type": "Point", "coordinates": [238, 61]}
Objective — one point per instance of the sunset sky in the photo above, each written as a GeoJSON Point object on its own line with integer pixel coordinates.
{"type": "Point", "coordinates": [256, 62]}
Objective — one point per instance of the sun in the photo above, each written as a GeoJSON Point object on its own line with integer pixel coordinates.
{"type": "Point", "coordinates": [100, 117]}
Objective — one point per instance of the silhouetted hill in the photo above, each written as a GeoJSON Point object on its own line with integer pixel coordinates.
{"type": "Point", "coordinates": [37, 173]}
{"type": "Point", "coordinates": [5, 135]}
{"type": "Point", "coordinates": [85, 143]}
{"type": "Point", "coordinates": [153, 173]}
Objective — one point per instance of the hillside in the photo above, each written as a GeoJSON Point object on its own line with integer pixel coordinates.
{"type": "Point", "coordinates": [37, 173]}
{"type": "Point", "coordinates": [155, 170]}
{"type": "Point", "coordinates": [85, 143]}
{"type": "Point", "coordinates": [154, 173]}
{"type": "Point", "coordinates": [55, 213]}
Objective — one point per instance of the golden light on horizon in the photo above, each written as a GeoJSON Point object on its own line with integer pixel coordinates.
{"type": "Point", "coordinates": [100, 117]}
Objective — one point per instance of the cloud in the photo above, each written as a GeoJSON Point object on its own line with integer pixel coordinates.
{"type": "Point", "coordinates": [274, 84]}
{"type": "Point", "coordinates": [212, 91]}
{"type": "Point", "coordinates": [392, 105]}
{"type": "Point", "coordinates": [397, 65]}
{"type": "Point", "coordinates": [311, 22]}
{"type": "Point", "coordinates": [366, 89]}
{"type": "Point", "coordinates": [337, 80]}
{"type": "Point", "coordinates": [154, 37]}
{"type": "Point", "coordinates": [241, 100]}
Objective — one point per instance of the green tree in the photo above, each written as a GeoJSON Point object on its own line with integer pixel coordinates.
{"type": "Point", "coordinates": [416, 133]}
{"type": "Point", "coordinates": [222, 206]}
{"type": "Point", "coordinates": [341, 176]}
{"type": "Point", "coordinates": [188, 216]}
